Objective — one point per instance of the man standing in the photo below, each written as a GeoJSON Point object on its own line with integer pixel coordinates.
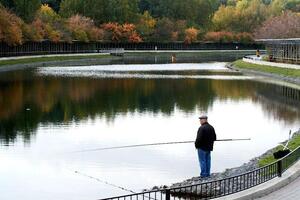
{"type": "Point", "coordinates": [204, 144]}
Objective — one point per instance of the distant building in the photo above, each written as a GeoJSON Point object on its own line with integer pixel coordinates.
{"type": "Point", "coordinates": [283, 50]}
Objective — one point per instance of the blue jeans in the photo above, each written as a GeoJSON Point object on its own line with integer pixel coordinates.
{"type": "Point", "coordinates": [204, 161]}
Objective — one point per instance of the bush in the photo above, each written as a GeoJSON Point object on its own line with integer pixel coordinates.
{"type": "Point", "coordinates": [221, 36]}
{"type": "Point", "coordinates": [96, 34]}
{"type": "Point", "coordinates": [244, 37]}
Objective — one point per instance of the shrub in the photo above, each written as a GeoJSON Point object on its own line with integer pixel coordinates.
{"type": "Point", "coordinates": [221, 36]}
{"type": "Point", "coordinates": [244, 37]}
{"type": "Point", "coordinates": [190, 35]}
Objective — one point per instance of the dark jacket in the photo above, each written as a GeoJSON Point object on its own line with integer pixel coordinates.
{"type": "Point", "coordinates": [205, 137]}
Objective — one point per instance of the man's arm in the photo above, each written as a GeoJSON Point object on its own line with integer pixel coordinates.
{"type": "Point", "coordinates": [215, 136]}
{"type": "Point", "coordinates": [199, 136]}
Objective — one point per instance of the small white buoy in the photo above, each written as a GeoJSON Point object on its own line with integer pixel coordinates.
{"type": "Point", "coordinates": [27, 109]}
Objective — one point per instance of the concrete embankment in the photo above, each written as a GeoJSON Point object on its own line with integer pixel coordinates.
{"type": "Point", "coordinates": [17, 63]}
{"type": "Point", "coordinates": [269, 71]}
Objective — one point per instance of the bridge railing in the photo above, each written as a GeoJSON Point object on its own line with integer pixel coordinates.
{"type": "Point", "coordinates": [221, 187]}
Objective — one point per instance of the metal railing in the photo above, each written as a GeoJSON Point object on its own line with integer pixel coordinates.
{"type": "Point", "coordinates": [221, 187]}
{"type": "Point", "coordinates": [47, 47]}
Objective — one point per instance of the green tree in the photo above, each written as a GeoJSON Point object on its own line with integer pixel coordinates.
{"type": "Point", "coordinates": [244, 17]}
{"type": "Point", "coordinates": [164, 29]}
{"type": "Point", "coordinates": [102, 11]}
{"type": "Point", "coordinates": [146, 26]}
{"type": "Point", "coordinates": [26, 9]}
{"type": "Point", "coordinates": [71, 7]}
{"type": "Point", "coordinates": [7, 3]}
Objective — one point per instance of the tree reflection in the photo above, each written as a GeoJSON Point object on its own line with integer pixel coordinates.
{"type": "Point", "coordinates": [26, 100]}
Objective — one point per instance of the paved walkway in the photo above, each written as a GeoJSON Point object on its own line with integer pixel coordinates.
{"type": "Point", "coordinates": [286, 187]}
{"type": "Point", "coordinates": [289, 192]}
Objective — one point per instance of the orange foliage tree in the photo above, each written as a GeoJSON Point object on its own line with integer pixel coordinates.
{"type": "Point", "coordinates": [224, 36]}
{"type": "Point", "coordinates": [46, 25]}
{"type": "Point", "coordinates": [221, 36]}
{"type": "Point", "coordinates": [79, 26]}
{"type": "Point", "coordinates": [191, 35]}
{"type": "Point", "coordinates": [10, 27]}
{"type": "Point", "coordinates": [118, 33]}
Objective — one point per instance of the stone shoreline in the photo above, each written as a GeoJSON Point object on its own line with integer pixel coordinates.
{"type": "Point", "coordinates": [246, 167]}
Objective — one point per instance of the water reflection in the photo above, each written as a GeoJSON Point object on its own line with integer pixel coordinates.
{"type": "Point", "coordinates": [27, 99]}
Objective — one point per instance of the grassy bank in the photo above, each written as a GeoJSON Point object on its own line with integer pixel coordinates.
{"type": "Point", "coordinates": [295, 73]}
{"type": "Point", "coordinates": [49, 59]}
{"type": "Point", "coordinates": [293, 144]}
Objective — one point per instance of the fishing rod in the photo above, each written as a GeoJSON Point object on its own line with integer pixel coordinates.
{"type": "Point", "coordinates": [153, 144]}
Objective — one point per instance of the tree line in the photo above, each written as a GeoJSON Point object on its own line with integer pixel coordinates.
{"type": "Point", "coordinates": [147, 20]}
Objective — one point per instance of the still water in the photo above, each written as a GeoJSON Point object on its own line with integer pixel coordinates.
{"type": "Point", "coordinates": [49, 114]}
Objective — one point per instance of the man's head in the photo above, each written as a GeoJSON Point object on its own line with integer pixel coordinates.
{"type": "Point", "coordinates": [203, 119]}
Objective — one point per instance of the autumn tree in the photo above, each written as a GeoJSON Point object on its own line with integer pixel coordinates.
{"type": "Point", "coordinates": [121, 33]}
{"type": "Point", "coordinates": [10, 27]}
{"type": "Point", "coordinates": [286, 25]}
{"type": "Point", "coordinates": [191, 35]}
{"type": "Point", "coordinates": [83, 29]}
{"type": "Point", "coordinates": [129, 33]}
{"type": "Point", "coordinates": [48, 24]}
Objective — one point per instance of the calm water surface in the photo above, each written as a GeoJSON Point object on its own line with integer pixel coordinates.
{"type": "Point", "coordinates": [48, 114]}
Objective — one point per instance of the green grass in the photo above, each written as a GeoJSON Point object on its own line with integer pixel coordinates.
{"type": "Point", "coordinates": [269, 69]}
{"type": "Point", "coordinates": [293, 144]}
{"type": "Point", "coordinates": [49, 59]}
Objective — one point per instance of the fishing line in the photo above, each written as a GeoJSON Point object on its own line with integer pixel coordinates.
{"type": "Point", "coordinates": [103, 181]}
{"type": "Point", "coordinates": [110, 184]}
{"type": "Point", "coordinates": [150, 144]}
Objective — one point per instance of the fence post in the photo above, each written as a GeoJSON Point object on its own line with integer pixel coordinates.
{"type": "Point", "coordinates": [168, 194]}
{"type": "Point", "coordinates": [279, 167]}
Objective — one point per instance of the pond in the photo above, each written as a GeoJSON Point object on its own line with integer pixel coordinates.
{"type": "Point", "coordinates": [50, 117]}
